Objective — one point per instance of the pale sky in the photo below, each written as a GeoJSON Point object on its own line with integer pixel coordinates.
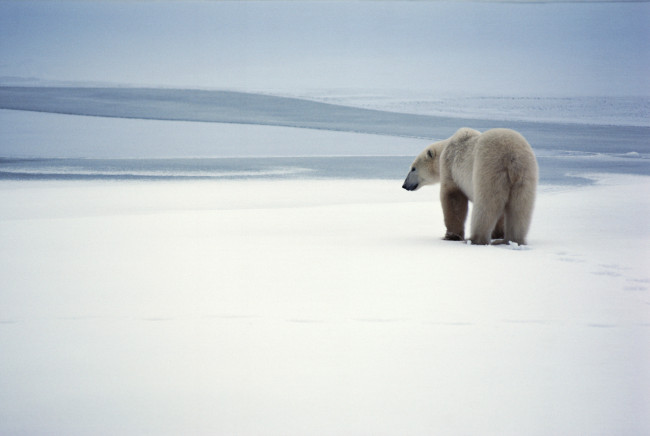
{"type": "Point", "coordinates": [483, 48]}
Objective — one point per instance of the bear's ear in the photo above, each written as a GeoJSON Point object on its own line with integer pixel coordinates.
{"type": "Point", "coordinates": [431, 154]}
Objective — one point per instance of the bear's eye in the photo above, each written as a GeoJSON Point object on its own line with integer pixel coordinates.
{"type": "Point", "coordinates": [412, 169]}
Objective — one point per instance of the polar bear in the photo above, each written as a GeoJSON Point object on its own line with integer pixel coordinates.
{"type": "Point", "coordinates": [495, 170]}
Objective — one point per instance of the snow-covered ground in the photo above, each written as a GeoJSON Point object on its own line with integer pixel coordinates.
{"type": "Point", "coordinates": [297, 294]}
{"type": "Point", "coordinates": [290, 292]}
{"type": "Point", "coordinates": [297, 307]}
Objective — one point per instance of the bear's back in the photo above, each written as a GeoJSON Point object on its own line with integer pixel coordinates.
{"type": "Point", "coordinates": [505, 150]}
{"type": "Point", "coordinates": [504, 140]}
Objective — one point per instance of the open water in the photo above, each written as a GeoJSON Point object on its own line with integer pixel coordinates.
{"type": "Point", "coordinates": [566, 152]}
{"type": "Point", "coordinates": [556, 169]}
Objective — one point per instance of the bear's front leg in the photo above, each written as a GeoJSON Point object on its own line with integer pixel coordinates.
{"type": "Point", "coordinates": [454, 208]}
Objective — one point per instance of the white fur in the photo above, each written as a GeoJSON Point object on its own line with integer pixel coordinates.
{"type": "Point", "coordinates": [496, 170]}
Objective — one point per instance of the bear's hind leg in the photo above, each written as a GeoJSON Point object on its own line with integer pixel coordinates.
{"type": "Point", "coordinates": [484, 220]}
{"type": "Point", "coordinates": [519, 212]}
{"type": "Point", "coordinates": [454, 208]}
{"type": "Point", "coordinates": [488, 211]}
{"type": "Point", "coordinates": [498, 231]}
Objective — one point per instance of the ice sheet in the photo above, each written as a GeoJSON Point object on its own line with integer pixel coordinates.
{"type": "Point", "coordinates": [262, 109]}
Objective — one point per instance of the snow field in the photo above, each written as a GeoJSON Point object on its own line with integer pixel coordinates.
{"type": "Point", "coordinates": [318, 307]}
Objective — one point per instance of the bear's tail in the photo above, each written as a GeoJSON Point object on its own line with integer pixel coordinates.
{"type": "Point", "coordinates": [515, 169]}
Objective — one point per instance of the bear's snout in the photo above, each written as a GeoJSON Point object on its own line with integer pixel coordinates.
{"type": "Point", "coordinates": [411, 183]}
{"type": "Point", "coordinates": [409, 186]}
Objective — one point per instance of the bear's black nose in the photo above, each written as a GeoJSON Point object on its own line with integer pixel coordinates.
{"type": "Point", "coordinates": [410, 186]}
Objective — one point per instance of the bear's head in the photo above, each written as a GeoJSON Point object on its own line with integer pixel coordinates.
{"type": "Point", "coordinates": [425, 169]}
